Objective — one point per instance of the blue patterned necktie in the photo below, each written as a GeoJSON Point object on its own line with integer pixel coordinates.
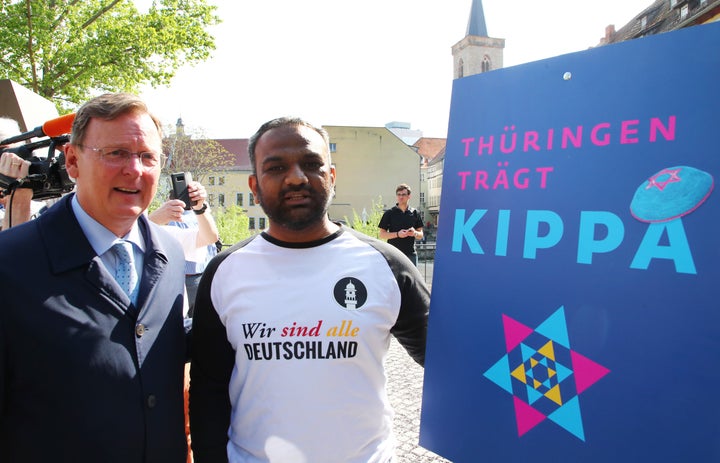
{"type": "Point", "coordinates": [125, 272]}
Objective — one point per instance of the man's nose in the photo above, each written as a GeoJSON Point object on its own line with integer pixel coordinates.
{"type": "Point", "coordinates": [134, 163]}
{"type": "Point", "coordinates": [296, 175]}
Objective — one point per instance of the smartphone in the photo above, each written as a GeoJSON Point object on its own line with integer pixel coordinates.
{"type": "Point", "coordinates": [180, 182]}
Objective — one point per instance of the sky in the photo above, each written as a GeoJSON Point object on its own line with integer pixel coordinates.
{"type": "Point", "coordinates": [361, 63]}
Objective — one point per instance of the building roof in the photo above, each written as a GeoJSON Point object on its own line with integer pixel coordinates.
{"type": "Point", "coordinates": [438, 158]}
{"type": "Point", "coordinates": [476, 24]}
{"type": "Point", "coordinates": [430, 147]}
{"type": "Point", "coordinates": [662, 16]}
{"type": "Point", "coordinates": [238, 147]}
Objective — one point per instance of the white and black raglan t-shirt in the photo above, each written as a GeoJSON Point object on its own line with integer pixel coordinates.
{"type": "Point", "coordinates": [293, 338]}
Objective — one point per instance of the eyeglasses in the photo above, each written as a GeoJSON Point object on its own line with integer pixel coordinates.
{"type": "Point", "coordinates": [118, 157]}
{"type": "Point", "coordinates": [403, 194]}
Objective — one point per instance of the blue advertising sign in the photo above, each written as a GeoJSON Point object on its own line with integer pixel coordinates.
{"type": "Point", "coordinates": [575, 312]}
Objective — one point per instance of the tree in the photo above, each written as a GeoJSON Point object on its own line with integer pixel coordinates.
{"type": "Point", "coordinates": [198, 156]}
{"type": "Point", "coordinates": [70, 50]}
{"type": "Point", "coordinates": [233, 225]}
{"type": "Point", "coordinates": [369, 226]}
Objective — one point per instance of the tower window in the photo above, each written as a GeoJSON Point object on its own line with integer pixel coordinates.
{"type": "Point", "coordinates": [486, 64]}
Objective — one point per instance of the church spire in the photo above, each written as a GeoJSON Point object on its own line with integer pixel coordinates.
{"type": "Point", "coordinates": [476, 24]}
{"type": "Point", "coordinates": [477, 52]}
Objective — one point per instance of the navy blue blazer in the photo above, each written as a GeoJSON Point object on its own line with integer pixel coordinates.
{"type": "Point", "coordinates": [84, 375]}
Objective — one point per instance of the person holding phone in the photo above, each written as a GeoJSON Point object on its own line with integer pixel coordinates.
{"type": "Point", "coordinates": [193, 225]}
{"type": "Point", "coordinates": [402, 225]}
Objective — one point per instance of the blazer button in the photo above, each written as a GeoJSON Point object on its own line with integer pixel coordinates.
{"type": "Point", "coordinates": [139, 330]}
{"type": "Point", "coordinates": [151, 401]}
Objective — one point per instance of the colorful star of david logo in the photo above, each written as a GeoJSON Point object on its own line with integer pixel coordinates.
{"type": "Point", "coordinates": [544, 375]}
{"type": "Point", "coordinates": [662, 178]}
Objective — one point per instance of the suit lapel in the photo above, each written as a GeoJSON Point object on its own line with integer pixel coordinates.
{"type": "Point", "coordinates": [69, 250]}
{"type": "Point", "coordinates": [154, 266]}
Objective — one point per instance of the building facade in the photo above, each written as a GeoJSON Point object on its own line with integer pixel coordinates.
{"type": "Point", "coordinates": [370, 162]}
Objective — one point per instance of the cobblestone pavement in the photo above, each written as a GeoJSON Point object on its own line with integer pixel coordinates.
{"type": "Point", "coordinates": [405, 384]}
{"type": "Point", "coordinates": [405, 381]}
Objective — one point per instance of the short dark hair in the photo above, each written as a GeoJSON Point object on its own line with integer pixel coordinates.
{"type": "Point", "coordinates": [403, 186]}
{"type": "Point", "coordinates": [282, 122]}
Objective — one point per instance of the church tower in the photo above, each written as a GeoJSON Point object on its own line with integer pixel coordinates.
{"type": "Point", "coordinates": [477, 52]}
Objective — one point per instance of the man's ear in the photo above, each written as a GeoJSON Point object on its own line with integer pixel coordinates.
{"type": "Point", "coordinates": [71, 160]}
{"type": "Point", "coordinates": [252, 183]}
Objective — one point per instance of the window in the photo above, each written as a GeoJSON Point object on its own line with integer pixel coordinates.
{"type": "Point", "coordinates": [261, 222]}
{"type": "Point", "coordinates": [221, 199]}
{"type": "Point", "coordinates": [211, 199]}
{"type": "Point", "coordinates": [643, 22]}
{"type": "Point", "coordinates": [221, 180]}
{"type": "Point", "coordinates": [251, 200]}
{"type": "Point", "coordinates": [486, 64]}
{"type": "Point", "coordinates": [333, 147]}
{"type": "Point", "coordinates": [684, 11]}
{"type": "Point", "coordinates": [422, 197]}
{"type": "Point", "coordinates": [211, 180]}
{"type": "Point", "coordinates": [673, 3]}
{"type": "Point", "coordinates": [239, 199]}
{"type": "Point", "coordinates": [251, 223]}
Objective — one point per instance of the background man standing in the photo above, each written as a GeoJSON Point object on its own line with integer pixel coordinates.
{"type": "Point", "coordinates": [92, 339]}
{"type": "Point", "coordinates": [401, 225]}
{"type": "Point", "coordinates": [292, 327]}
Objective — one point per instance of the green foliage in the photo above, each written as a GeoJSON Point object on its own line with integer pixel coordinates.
{"type": "Point", "coordinates": [156, 202]}
{"type": "Point", "coordinates": [233, 224]}
{"type": "Point", "coordinates": [69, 50]}
{"type": "Point", "coordinates": [369, 226]}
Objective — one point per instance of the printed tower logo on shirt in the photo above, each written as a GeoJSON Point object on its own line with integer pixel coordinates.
{"type": "Point", "coordinates": [350, 293]}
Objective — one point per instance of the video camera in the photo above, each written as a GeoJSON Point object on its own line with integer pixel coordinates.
{"type": "Point", "coordinates": [47, 175]}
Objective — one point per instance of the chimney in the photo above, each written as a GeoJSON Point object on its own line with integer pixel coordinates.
{"type": "Point", "coordinates": [609, 33]}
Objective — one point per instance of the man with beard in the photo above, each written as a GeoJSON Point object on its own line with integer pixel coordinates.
{"type": "Point", "coordinates": [292, 326]}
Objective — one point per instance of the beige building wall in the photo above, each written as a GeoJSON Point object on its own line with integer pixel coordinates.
{"type": "Point", "coordinates": [370, 163]}
{"type": "Point", "coordinates": [230, 188]}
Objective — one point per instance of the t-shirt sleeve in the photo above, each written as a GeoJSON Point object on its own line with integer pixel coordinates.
{"type": "Point", "coordinates": [385, 221]}
{"type": "Point", "coordinates": [418, 221]}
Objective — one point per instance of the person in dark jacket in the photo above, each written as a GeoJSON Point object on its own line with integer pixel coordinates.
{"type": "Point", "coordinates": [92, 338]}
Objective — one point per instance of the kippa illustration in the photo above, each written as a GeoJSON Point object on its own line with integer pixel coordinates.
{"type": "Point", "coordinates": [671, 193]}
